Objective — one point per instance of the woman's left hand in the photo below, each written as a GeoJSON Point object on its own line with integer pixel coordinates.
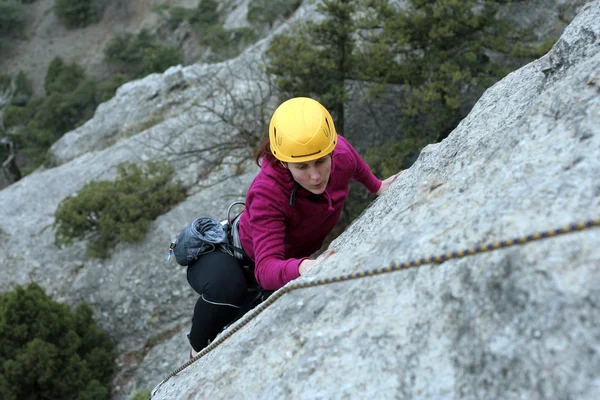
{"type": "Point", "coordinates": [385, 185]}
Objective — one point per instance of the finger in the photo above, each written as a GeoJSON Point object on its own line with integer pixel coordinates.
{"type": "Point", "coordinates": [325, 255]}
{"type": "Point", "coordinates": [393, 177]}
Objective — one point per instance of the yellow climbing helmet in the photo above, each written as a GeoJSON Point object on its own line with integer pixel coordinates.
{"type": "Point", "coordinates": [301, 129]}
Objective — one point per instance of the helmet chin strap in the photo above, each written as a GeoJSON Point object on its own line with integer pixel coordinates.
{"type": "Point", "coordinates": [296, 185]}
{"type": "Point", "coordinates": [293, 195]}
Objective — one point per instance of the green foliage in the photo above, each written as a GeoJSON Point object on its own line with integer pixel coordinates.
{"type": "Point", "coordinates": [394, 156]}
{"type": "Point", "coordinates": [159, 58]}
{"type": "Point", "coordinates": [438, 50]}
{"type": "Point", "coordinates": [62, 112]}
{"type": "Point", "coordinates": [205, 21]}
{"type": "Point", "coordinates": [107, 89]}
{"type": "Point", "coordinates": [203, 16]}
{"type": "Point", "coordinates": [56, 115]}
{"type": "Point", "coordinates": [316, 59]}
{"type": "Point", "coordinates": [206, 15]}
{"type": "Point", "coordinates": [12, 17]}
{"type": "Point", "coordinates": [528, 51]}
{"type": "Point", "coordinates": [71, 100]}
{"type": "Point", "coordinates": [266, 12]}
{"type": "Point", "coordinates": [31, 137]}
{"type": "Point", "coordinates": [77, 13]}
{"type": "Point", "coordinates": [441, 47]}
{"type": "Point", "coordinates": [104, 212]}
{"type": "Point", "coordinates": [12, 22]}
{"type": "Point", "coordinates": [141, 395]}
{"type": "Point", "coordinates": [140, 55]}
{"type": "Point", "coordinates": [5, 82]}
{"type": "Point", "coordinates": [23, 90]}
{"type": "Point", "coordinates": [178, 14]}
{"type": "Point", "coordinates": [20, 115]}
{"type": "Point", "coordinates": [63, 78]}
{"type": "Point", "coordinates": [48, 351]}
{"type": "Point", "coordinates": [226, 43]}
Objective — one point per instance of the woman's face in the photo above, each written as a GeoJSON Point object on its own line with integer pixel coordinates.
{"type": "Point", "coordinates": [312, 175]}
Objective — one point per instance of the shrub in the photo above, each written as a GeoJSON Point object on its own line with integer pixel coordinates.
{"type": "Point", "coordinates": [57, 115]}
{"type": "Point", "coordinates": [49, 351]}
{"type": "Point", "coordinates": [23, 90]}
{"type": "Point", "coordinates": [140, 55]}
{"type": "Point", "coordinates": [5, 82]}
{"type": "Point", "coordinates": [179, 14]}
{"type": "Point", "coordinates": [71, 100]}
{"type": "Point", "coordinates": [393, 156]}
{"type": "Point", "coordinates": [206, 14]}
{"type": "Point", "coordinates": [76, 13]}
{"type": "Point", "coordinates": [84, 101]}
{"type": "Point", "coordinates": [107, 89]}
{"type": "Point", "coordinates": [267, 11]}
{"type": "Point", "coordinates": [18, 90]}
{"type": "Point", "coordinates": [21, 115]}
{"type": "Point", "coordinates": [141, 396]}
{"type": "Point", "coordinates": [158, 58]}
{"type": "Point", "coordinates": [105, 212]}
{"type": "Point", "coordinates": [12, 17]}
{"type": "Point", "coordinates": [63, 78]}
{"type": "Point", "coordinates": [226, 43]}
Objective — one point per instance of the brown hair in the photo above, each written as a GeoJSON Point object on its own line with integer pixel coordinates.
{"type": "Point", "coordinates": [263, 150]}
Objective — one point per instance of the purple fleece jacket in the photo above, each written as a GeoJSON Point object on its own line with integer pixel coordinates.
{"type": "Point", "coordinates": [279, 237]}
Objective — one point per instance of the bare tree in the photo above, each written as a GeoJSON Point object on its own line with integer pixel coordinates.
{"type": "Point", "coordinates": [10, 169]}
{"type": "Point", "coordinates": [224, 126]}
{"type": "Point", "coordinates": [6, 94]}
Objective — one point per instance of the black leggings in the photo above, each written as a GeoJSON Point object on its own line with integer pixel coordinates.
{"type": "Point", "coordinates": [220, 281]}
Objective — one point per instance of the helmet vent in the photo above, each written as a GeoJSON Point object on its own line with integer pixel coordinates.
{"type": "Point", "coordinates": [278, 140]}
{"type": "Point", "coordinates": [328, 131]}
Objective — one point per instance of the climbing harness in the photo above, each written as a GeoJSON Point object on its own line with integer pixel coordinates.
{"type": "Point", "coordinates": [436, 259]}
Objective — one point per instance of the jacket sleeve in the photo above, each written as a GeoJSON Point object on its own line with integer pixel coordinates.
{"type": "Point", "coordinates": [267, 227]}
{"type": "Point", "coordinates": [362, 173]}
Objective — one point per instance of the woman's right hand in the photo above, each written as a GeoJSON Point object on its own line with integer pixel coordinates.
{"type": "Point", "coordinates": [308, 264]}
{"type": "Point", "coordinates": [386, 183]}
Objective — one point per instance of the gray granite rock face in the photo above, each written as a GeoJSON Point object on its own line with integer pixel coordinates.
{"type": "Point", "coordinates": [515, 323]}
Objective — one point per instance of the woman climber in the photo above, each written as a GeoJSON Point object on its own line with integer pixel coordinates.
{"type": "Point", "coordinates": [294, 202]}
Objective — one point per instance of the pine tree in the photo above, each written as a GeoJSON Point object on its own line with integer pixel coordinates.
{"type": "Point", "coordinates": [316, 58]}
{"type": "Point", "coordinates": [48, 351]}
{"type": "Point", "coordinates": [445, 53]}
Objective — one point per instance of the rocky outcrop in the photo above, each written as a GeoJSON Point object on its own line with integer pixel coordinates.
{"type": "Point", "coordinates": [520, 322]}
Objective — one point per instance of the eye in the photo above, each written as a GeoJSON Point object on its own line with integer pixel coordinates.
{"type": "Point", "coordinates": [302, 166]}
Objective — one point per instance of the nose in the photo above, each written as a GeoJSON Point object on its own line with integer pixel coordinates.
{"type": "Point", "coordinates": [315, 175]}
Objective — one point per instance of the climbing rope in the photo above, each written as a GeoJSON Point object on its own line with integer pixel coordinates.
{"type": "Point", "coordinates": [378, 271]}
